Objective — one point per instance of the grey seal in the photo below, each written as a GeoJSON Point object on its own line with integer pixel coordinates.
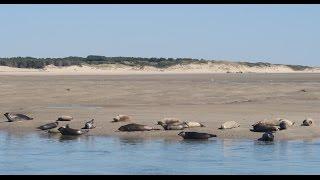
{"type": "Point", "coordinates": [285, 124]}
{"type": "Point", "coordinates": [49, 126]}
{"type": "Point", "coordinates": [191, 124]}
{"type": "Point", "coordinates": [172, 126]}
{"type": "Point", "coordinates": [170, 121]}
{"type": "Point", "coordinates": [121, 118]}
{"type": "Point", "coordinates": [307, 122]}
{"type": "Point", "coordinates": [54, 130]}
{"type": "Point", "coordinates": [196, 135]}
{"type": "Point", "coordinates": [65, 118]}
{"type": "Point", "coordinates": [271, 122]}
{"type": "Point", "coordinates": [16, 117]}
{"type": "Point", "coordinates": [267, 136]}
{"type": "Point", "coordinates": [89, 124]}
{"type": "Point", "coordinates": [66, 130]}
{"type": "Point", "coordinates": [136, 127]}
{"type": "Point", "coordinates": [229, 125]}
{"type": "Point", "coordinates": [261, 127]}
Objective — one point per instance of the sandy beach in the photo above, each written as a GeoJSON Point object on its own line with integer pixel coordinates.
{"type": "Point", "coordinates": [207, 98]}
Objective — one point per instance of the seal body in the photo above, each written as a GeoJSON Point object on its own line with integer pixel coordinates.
{"type": "Point", "coordinates": [271, 122]}
{"type": "Point", "coordinates": [261, 127]}
{"type": "Point", "coordinates": [267, 136]}
{"type": "Point", "coordinates": [229, 125]}
{"type": "Point", "coordinates": [65, 118]}
{"type": "Point", "coordinates": [307, 122]}
{"type": "Point", "coordinates": [16, 117]}
{"type": "Point", "coordinates": [196, 135]}
{"type": "Point", "coordinates": [121, 118]}
{"type": "Point", "coordinates": [173, 126]}
{"type": "Point", "coordinates": [69, 131]}
{"type": "Point", "coordinates": [136, 127]}
{"type": "Point", "coordinates": [193, 124]}
{"type": "Point", "coordinates": [285, 124]}
{"type": "Point", "coordinates": [89, 125]}
{"type": "Point", "coordinates": [171, 121]}
{"type": "Point", "coordinates": [48, 126]}
{"type": "Point", "coordinates": [54, 130]}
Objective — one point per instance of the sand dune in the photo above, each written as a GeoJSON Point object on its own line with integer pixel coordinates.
{"type": "Point", "coordinates": [216, 67]}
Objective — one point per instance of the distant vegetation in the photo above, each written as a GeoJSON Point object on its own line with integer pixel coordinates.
{"type": "Point", "coordinates": [39, 63]}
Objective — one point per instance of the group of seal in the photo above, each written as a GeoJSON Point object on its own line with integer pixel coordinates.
{"type": "Point", "coordinates": [266, 126]}
{"type": "Point", "coordinates": [167, 124]}
{"type": "Point", "coordinates": [53, 126]}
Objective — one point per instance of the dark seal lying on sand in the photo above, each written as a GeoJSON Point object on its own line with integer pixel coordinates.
{"type": "Point", "coordinates": [71, 132]}
{"type": "Point", "coordinates": [196, 135]}
{"type": "Point", "coordinates": [49, 126]}
{"type": "Point", "coordinates": [16, 117]}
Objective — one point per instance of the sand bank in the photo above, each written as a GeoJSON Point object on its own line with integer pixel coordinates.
{"type": "Point", "coordinates": [207, 98]}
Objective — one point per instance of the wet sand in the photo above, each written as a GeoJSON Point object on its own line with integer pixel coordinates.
{"type": "Point", "coordinates": [207, 98]}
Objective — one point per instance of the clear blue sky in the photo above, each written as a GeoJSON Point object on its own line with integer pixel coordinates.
{"type": "Point", "coordinates": [288, 34]}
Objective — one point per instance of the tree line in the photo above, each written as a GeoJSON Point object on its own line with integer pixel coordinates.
{"type": "Point", "coordinates": [39, 63]}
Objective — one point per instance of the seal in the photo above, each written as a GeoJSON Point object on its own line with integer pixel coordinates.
{"type": "Point", "coordinates": [54, 130]}
{"type": "Point", "coordinates": [172, 126]}
{"type": "Point", "coordinates": [271, 122]}
{"type": "Point", "coordinates": [89, 124]}
{"type": "Point", "coordinates": [191, 124]}
{"type": "Point", "coordinates": [261, 127]}
{"type": "Point", "coordinates": [307, 122]}
{"type": "Point", "coordinates": [121, 118]}
{"type": "Point", "coordinates": [136, 127]}
{"type": "Point", "coordinates": [65, 118]}
{"type": "Point", "coordinates": [267, 136]}
{"type": "Point", "coordinates": [170, 120]}
{"type": "Point", "coordinates": [16, 117]}
{"type": "Point", "coordinates": [229, 125]}
{"type": "Point", "coordinates": [49, 126]}
{"type": "Point", "coordinates": [66, 130]}
{"type": "Point", "coordinates": [285, 124]}
{"type": "Point", "coordinates": [196, 135]}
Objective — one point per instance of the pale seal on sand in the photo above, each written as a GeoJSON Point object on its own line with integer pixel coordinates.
{"type": "Point", "coordinates": [16, 117]}
{"type": "Point", "coordinates": [49, 126]}
{"type": "Point", "coordinates": [136, 127]}
{"type": "Point", "coordinates": [261, 127]}
{"type": "Point", "coordinates": [271, 122]}
{"type": "Point", "coordinates": [65, 118]}
{"type": "Point", "coordinates": [307, 122]}
{"type": "Point", "coordinates": [66, 130]}
{"type": "Point", "coordinates": [193, 124]}
{"type": "Point", "coordinates": [89, 124]}
{"type": "Point", "coordinates": [285, 124]}
{"type": "Point", "coordinates": [121, 118]}
{"type": "Point", "coordinates": [172, 126]}
{"type": "Point", "coordinates": [54, 130]}
{"type": "Point", "coordinates": [196, 135]}
{"type": "Point", "coordinates": [229, 125]}
{"type": "Point", "coordinates": [170, 121]}
{"type": "Point", "coordinates": [267, 136]}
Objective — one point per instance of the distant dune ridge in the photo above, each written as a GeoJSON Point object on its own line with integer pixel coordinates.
{"type": "Point", "coordinates": [100, 64]}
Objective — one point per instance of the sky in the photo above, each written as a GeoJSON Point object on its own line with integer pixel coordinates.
{"type": "Point", "coordinates": [283, 34]}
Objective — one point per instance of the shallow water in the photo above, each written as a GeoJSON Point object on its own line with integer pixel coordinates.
{"type": "Point", "coordinates": [44, 154]}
